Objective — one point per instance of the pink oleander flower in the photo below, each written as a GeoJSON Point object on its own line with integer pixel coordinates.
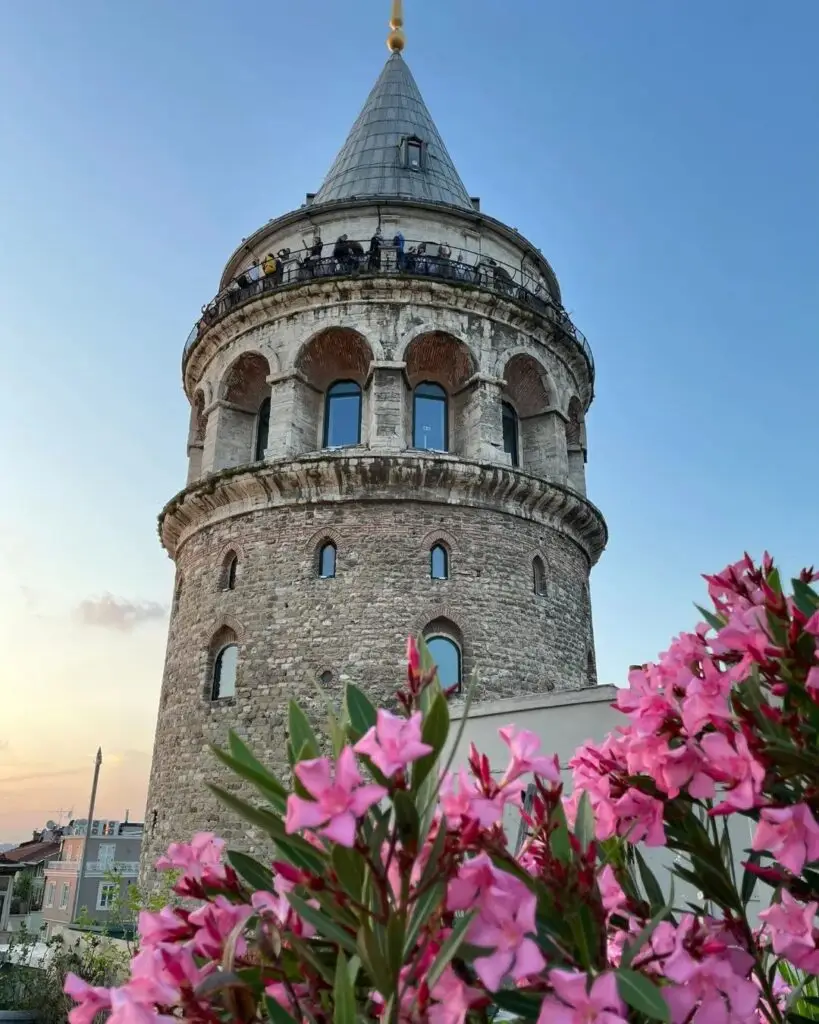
{"type": "Point", "coordinates": [214, 922]}
{"type": "Point", "coordinates": [789, 923]}
{"type": "Point", "coordinates": [393, 742]}
{"type": "Point", "coordinates": [684, 768]}
{"type": "Point", "coordinates": [151, 982]}
{"type": "Point", "coordinates": [475, 878]}
{"type": "Point", "coordinates": [277, 905]}
{"type": "Point", "coordinates": [733, 764]}
{"type": "Point", "coordinates": [812, 682]}
{"type": "Point", "coordinates": [504, 925]}
{"type": "Point", "coordinates": [339, 798]}
{"type": "Point", "coordinates": [789, 834]}
{"type": "Point", "coordinates": [128, 1007]}
{"type": "Point", "coordinates": [460, 798]}
{"type": "Point", "coordinates": [709, 992]}
{"type": "Point", "coordinates": [92, 999]}
{"type": "Point", "coordinates": [611, 893]}
{"type": "Point", "coordinates": [706, 699]}
{"type": "Point", "coordinates": [453, 999]}
{"type": "Point", "coordinates": [168, 925]}
{"type": "Point", "coordinates": [526, 757]}
{"type": "Point", "coordinates": [812, 625]}
{"type": "Point", "coordinates": [200, 859]}
{"type": "Point", "coordinates": [576, 1003]}
{"type": "Point", "coordinates": [413, 656]}
{"type": "Point", "coordinates": [640, 818]}
{"type": "Point", "coordinates": [644, 701]}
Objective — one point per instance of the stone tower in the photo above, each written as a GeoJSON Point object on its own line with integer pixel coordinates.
{"type": "Point", "coordinates": [387, 437]}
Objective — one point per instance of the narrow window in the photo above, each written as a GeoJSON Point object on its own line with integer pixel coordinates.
{"type": "Point", "coordinates": [591, 670]}
{"type": "Point", "coordinates": [510, 433]}
{"type": "Point", "coordinates": [106, 894]}
{"type": "Point", "coordinates": [224, 672]}
{"type": "Point", "coordinates": [50, 894]}
{"type": "Point", "coordinates": [439, 563]}
{"type": "Point", "coordinates": [539, 576]}
{"type": "Point", "coordinates": [342, 415]}
{"type": "Point", "coordinates": [64, 896]}
{"type": "Point", "coordinates": [414, 151]}
{"type": "Point", "coordinates": [429, 415]}
{"type": "Point", "coordinates": [229, 573]}
{"type": "Point", "coordinates": [327, 560]}
{"type": "Point", "coordinates": [447, 656]}
{"type": "Point", "coordinates": [177, 594]}
{"type": "Point", "coordinates": [262, 430]}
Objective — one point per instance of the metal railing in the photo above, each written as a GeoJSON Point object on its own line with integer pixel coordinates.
{"type": "Point", "coordinates": [63, 865]}
{"type": "Point", "coordinates": [118, 867]}
{"type": "Point", "coordinates": [418, 259]}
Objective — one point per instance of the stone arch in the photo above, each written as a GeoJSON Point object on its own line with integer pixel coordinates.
{"type": "Point", "coordinates": [322, 535]}
{"type": "Point", "coordinates": [528, 351]}
{"type": "Point", "coordinates": [225, 636]}
{"type": "Point", "coordinates": [196, 435]}
{"type": "Point", "coordinates": [439, 536]}
{"type": "Point", "coordinates": [242, 412]}
{"type": "Point", "coordinates": [539, 576]}
{"type": "Point", "coordinates": [229, 569]}
{"type": "Point", "coordinates": [450, 674]}
{"type": "Point", "coordinates": [529, 389]}
{"type": "Point", "coordinates": [434, 361]}
{"type": "Point", "coordinates": [442, 357]}
{"type": "Point", "coordinates": [330, 356]}
{"type": "Point", "coordinates": [227, 622]}
{"type": "Point", "coordinates": [576, 445]}
{"type": "Point", "coordinates": [527, 385]}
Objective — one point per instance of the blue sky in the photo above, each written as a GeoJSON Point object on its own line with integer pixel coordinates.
{"type": "Point", "coordinates": [663, 155]}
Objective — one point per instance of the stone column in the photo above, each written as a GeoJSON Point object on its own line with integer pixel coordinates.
{"type": "Point", "coordinates": [228, 437]}
{"type": "Point", "coordinates": [387, 407]}
{"type": "Point", "coordinates": [577, 470]}
{"type": "Point", "coordinates": [196, 454]}
{"type": "Point", "coordinates": [544, 446]}
{"type": "Point", "coordinates": [478, 427]}
{"type": "Point", "coordinates": [295, 408]}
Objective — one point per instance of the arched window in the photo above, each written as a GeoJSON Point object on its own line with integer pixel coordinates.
{"type": "Point", "coordinates": [591, 669]}
{"type": "Point", "coordinates": [230, 566]}
{"type": "Point", "coordinates": [327, 560]}
{"type": "Point", "coordinates": [262, 430]}
{"type": "Point", "coordinates": [539, 576]}
{"type": "Point", "coordinates": [510, 432]}
{"type": "Point", "coordinates": [447, 656]}
{"type": "Point", "coordinates": [439, 562]}
{"type": "Point", "coordinates": [177, 594]}
{"type": "Point", "coordinates": [342, 415]}
{"type": "Point", "coordinates": [224, 673]}
{"type": "Point", "coordinates": [430, 429]}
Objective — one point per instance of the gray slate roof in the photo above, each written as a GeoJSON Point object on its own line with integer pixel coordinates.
{"type": "Point", "coordinates": [369, 161]}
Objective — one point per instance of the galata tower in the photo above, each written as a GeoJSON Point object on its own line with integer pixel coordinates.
{"type": "Point", "coordinates": [387, 436]}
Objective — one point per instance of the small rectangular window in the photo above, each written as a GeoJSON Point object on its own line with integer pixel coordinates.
{"type": "Point", "coordinates": [50, 894]}
{"type": "Point", "coordinates": [414, 151]}
{"type": "Point", "coordinates": [106, 894]}
{"type": "Point", "coordinates": [64, 896]}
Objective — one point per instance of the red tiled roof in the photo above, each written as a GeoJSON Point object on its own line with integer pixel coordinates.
{"type": "Point", "coordinates": [30, 853]}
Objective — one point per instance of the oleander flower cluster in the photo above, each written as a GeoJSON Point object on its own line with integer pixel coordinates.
{"type": "Point", "coordinates": [402, 887]}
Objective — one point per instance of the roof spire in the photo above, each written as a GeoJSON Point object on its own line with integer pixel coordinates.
{"type": "Point", "coordinates": [396, 40]}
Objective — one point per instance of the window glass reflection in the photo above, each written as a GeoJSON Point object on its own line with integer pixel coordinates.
{"type": "Point", "coordinates": [510, 433]}
{"type": "Point", "coordinates": [224, 672]}
{"type": "Point", "coordinates": [342, 415]}
{"type": "Point", "coordinates": [327, 561]}
{"type": "Point", "coordinates": [447, 656]}
{"type": "Point", "coordinates": [430, 418]}
{"type": "Point", "coordinates": [439, 563]}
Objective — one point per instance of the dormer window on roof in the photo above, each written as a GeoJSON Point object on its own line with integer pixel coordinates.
{"type": "Point", "coordinates": [413, 153]}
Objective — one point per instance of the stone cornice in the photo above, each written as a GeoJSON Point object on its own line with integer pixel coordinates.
{"type": "Point", "coordinates": [424, 291]}
{"type": "Point", "coordinates": [338, 477]}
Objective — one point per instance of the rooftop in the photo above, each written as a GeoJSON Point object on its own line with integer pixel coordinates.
{"type": "Point", "coordinates": [32, 852]}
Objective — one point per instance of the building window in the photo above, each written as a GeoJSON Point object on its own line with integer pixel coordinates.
{"type": "Point", "coordinates": [539, 576]}
{"type": "Point", "coordinates": [429, 418]}
{"type": "Point", "coordinates": [49, 902]}
{"type": "Point", "coordinates": [230, 566]}
{"type": "Point", "coordinates": [106, 895]}
{"type": "Point", "coordinates": [342, 415]}
{"type": "Point", "coordinates": [415, 152]}
{"type": "Point", "coordinates": [224, 672]}
{"type": "Point", "coordinates": [262, 430]}
{"type": "Point", "coordinates": [327, 560]}
{"type": "Point", "coordinates": [177, 594]}
{"type": "Point", "coordinates": [64, 896]}
{"type": "Point", "coordinates": [447, 656]}
{"type": "Point", "coordinates": [439, 562]}
{"type": "Point", "coordinates": [510, 433]}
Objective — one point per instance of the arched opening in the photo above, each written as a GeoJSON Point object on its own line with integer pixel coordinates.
{"type": "Point", "coordinates": [262, 430]}
{"type": "Point", "coordinates": [342, 414]}
{"type": "Point", "coordinates": [439, 562]}
{"type": "Point", "coordinates": [224, 662]}
{"type": "Point", "coordinates": [527, 422]}
{"type": "Point", "coordinates": [244, 415]}
{"type": "Point", "coordinates": [445, 644]}
{"type": "Point", "coordinates": [327, 560]}
{"type": "Point", "coordinates": [329, 400]}
{"type": "Point", "coordinates": [510, 433]}
{"type": "Point", "coordinates": [430, 417]}
{"type": "Point", "coordinates": [438, 366]}
{"type": "Point", "coordinates": [229, 571]}
{"type": "Point", "coordinates": [539, 576]}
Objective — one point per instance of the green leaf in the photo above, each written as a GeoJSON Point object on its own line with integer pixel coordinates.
{"type": "Point", "coordinates": [749, 879]}
{"type": "Point", "coordinates": [303, 740]}
{"type": "Point", "coordinates": [360, 711]}
{"type": "Point", "coordinates": [449, 948]}
{"type": "Point", "coordinates": [714, 621]}
{"type": "Point", "coordinates": [805, 597]}
{"type": "Point", "coordinates": [421, 913]}
{"type": "Point", "coordinates": [343, 994]}
{"type": "Point", "coordinates": [406, 820]}
{"type": "Point", "coordinates": [523, 1004]}
{"type": "Point", "coordinates": [349, 867]}
{"type": "Point", "coordinates": [560, 844]}
{"type": "Point", "coordinates": [254, 873]}
{"type": "Point", "coordinates": [434, 731]}
{"type": "Point", "coordinates": [641, 994]}
{"type": "Point", "coordinates": [642, 937]}
{"type": "Point", "coordinates": [584, 822]}
{"type": "Point", "coordinates": [276, 1012]}
{"type": "Point", "coordinates": [395, 942]}
{"type": "Point", "coordinates": [266, 783]}
{"type": "Point", "coordinates": [651, 886]}
{"type": "Point", "coordinates": [242, 753]}
{"type": "Point", "coordinates": [323, 924]}
{"type": "Point", "coordinates": [374, 960]}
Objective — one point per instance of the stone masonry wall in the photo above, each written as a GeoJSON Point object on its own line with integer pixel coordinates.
{"type": "Point", "coordinates": [293, 627]}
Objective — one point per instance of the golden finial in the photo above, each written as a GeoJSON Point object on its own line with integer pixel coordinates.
{"type": "Point", "coordinates": [396, 40]}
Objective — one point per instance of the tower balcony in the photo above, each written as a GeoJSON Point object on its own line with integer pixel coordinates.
{"type": "Point", "coordinates": [420, 260]}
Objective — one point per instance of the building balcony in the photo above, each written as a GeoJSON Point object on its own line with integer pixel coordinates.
{"type": "Point", "coordinates": [70, 867]}
{"type": "Point", "coordinates": [419, 260]}
{"type": "Point", "coordinates": [116, 867]}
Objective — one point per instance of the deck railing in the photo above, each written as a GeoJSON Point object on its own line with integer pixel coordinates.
{"type": "Point", "coordinates": [418, 259]}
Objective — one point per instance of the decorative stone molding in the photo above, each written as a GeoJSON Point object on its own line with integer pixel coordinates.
{"type": "Point", "coordinates": [229, 622]}
{"type": "Point", "coordinates": [337, 477]}
{"type": "Point", "coordinates": [439, 536]}
{"type": "Point", "coordinates": [435, 612]}
{"type": "Point", "coordinates": [321, 536]}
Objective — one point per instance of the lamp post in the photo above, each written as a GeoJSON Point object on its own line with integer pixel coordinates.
{"type": "Point", "coordinates": [84, 855]}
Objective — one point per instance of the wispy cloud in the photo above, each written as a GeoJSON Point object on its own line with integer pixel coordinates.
{"type": "Point", "coordinates": [118, 613]}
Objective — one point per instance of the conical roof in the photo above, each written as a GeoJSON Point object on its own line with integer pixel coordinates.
{"type": "Point", "coordinates": [373, 160]}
